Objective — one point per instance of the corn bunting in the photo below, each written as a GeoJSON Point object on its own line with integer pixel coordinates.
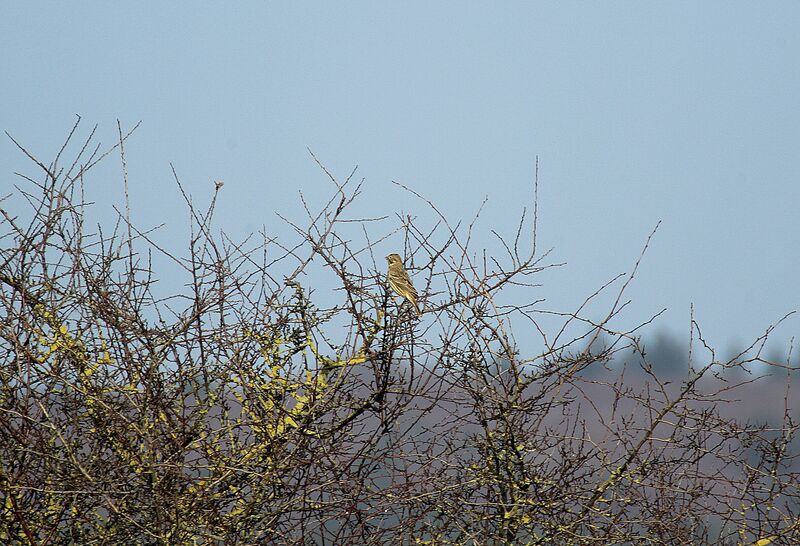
{"type": "Point", "coordinates": [400, 281]}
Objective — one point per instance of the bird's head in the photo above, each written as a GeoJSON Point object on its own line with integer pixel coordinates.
{"type": "Point", "coordinates": [393, 259]}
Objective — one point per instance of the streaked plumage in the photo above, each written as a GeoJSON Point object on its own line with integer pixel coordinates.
{"type": "Point", "coordinates": [400, 281]}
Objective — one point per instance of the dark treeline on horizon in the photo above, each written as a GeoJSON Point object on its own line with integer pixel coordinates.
{"type": "Point", "coordinates": [668, 353]}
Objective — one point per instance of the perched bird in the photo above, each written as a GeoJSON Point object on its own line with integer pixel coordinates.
{"type": "Point", "coordinates": [400, 281]}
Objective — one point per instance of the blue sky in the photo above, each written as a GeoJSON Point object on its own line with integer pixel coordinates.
{"type": "Point", "coordinates": [685, 112]}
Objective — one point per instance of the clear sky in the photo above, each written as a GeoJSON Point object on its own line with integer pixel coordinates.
{"type": "Point", "coordinates": [685, 112]}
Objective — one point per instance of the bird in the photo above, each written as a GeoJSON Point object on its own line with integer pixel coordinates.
{"type": "Point", "coordinates": [400, 281]}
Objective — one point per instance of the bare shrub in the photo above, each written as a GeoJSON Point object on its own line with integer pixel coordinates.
{"type": "Point", "coordinates": [285, 397]}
